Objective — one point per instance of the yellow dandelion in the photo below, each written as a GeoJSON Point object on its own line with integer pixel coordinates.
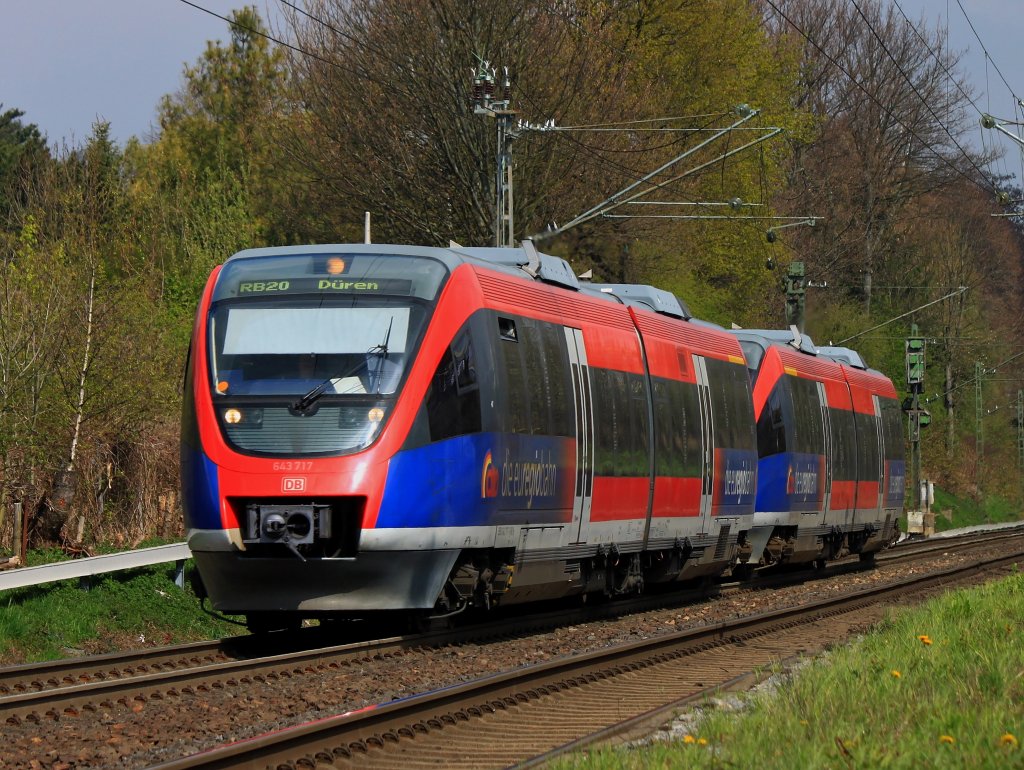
{"type": "Point", "coordinates": [947, 739]}
{"type": "Point", "coordinates": [896, 674]}
{"type": "Point", "coordinates": [925, 639]}
{"type": "Point", "coordinates": [689, 739]}
{"type": "Point", "coordinates": [704, 741]}
{"type": "Point", "coordinates": [1008, 739]}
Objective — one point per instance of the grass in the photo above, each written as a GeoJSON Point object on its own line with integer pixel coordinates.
{"type": "Point", "coordinates": [123, 610]}
{"type": "Point", "coordinates": [967, 512]}
{"type": "Point", "coordinates": [940, 686]}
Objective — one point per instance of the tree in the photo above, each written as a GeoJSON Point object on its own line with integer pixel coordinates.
{"type": "Point", "coordinates": [389, 126]}
{"type": "Point", "coordinates": [891, 106]}
{"type": "Point", "coordinates": [388, 123]}
{"type": "Point", "coordinates": [20, 144]}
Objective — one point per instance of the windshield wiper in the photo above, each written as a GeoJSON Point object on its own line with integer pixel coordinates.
{"type": "Point", "coordinates": [311, 397]}
{"type": "Point", "coordinates": [382, 351]}
{"type": "Point", "coordinates": [314, 395]}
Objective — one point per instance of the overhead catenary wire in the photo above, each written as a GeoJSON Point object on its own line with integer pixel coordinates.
{"type": "Point", "coordinates": [988, 56]}
{"type": "Point", "coordinates": [613, 201]}
{"type": "Point", "coordinates": [624, 123]}
{"type": "Point", "coordinates": [269, 37]}
{"type": "Point", "coordinates": [938, 60]}
{"type": "Point", "coordinates": [910, 82]}
{"type": "Point", "coordinates": [973, 380]}
{"type": "Point", "coordinates": [959, 290]}
{"type": "Point", "coordinates": [889, 113]}
{"type": "Point", "coordinates": [629, 173]}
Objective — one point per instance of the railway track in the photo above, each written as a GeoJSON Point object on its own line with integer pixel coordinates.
{"type": "Point", "coordinates": [47, 699]}
{"type": "Point", "coordinates": [522, 716]}
{"type": "Point", "coordinates": [46, 690]}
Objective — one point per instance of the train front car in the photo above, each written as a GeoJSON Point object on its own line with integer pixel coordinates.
{"type": "Point", "coordinates": [831, 469]}
{"type": "Point", "coordinates": [384, 428]}
{"type": "Point", "coordinates": [291, 413]}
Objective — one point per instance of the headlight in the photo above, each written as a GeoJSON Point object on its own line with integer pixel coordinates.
{"type": "Point", "coordinates": [248, 417]}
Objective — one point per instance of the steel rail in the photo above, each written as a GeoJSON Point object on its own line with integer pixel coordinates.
{"type": "Point", "coordinates": [56, 685]}
{"type": "Point", "coordinates": [335, 739]}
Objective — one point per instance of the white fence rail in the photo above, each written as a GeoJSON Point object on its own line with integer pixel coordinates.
{"type": "Point", "coordinates": [97, 565]}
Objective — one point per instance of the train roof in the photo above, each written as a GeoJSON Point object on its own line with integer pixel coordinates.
{"type": "Point", "coordinates": [524, 261]}
{"type": "Point", "coordinates": [791, 337]}
{"type": "Point", "coordinates": [649, 297]}
{"type": "Point", "coordinates": [847, 356]}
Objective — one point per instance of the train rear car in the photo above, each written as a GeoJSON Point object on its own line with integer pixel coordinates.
{"type": "Point", "coordinates": [831, 470]}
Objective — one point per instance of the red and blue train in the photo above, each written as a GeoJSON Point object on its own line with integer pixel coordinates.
{"type": "Point", "coordinates": [374, 428]}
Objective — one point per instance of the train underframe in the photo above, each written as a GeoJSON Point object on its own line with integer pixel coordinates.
{"type": "Point", "coordinates": [276, 588]}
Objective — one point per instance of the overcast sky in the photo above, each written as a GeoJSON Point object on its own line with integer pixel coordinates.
{"type": "Point", "coordinates": [66, 63]}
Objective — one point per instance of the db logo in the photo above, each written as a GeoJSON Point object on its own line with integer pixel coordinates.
{"type": "Point", "coordinates": [293, 484]}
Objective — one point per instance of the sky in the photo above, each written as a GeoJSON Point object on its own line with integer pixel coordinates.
{"type": "Point", "coordinates": [67, 63]}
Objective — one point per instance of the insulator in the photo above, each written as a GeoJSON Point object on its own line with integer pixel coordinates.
{"type": "Point", "coordinates": [489, 87]}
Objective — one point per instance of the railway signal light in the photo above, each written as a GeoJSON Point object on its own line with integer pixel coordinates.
{"type": "Point", "coordinates": [915, 348]}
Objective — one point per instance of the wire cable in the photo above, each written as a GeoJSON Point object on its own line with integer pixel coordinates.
{"type": "Point", "coordinates": [935, 56]}
{"type": "Point", "coordinates": [988, 56]}
{"type": "Point", "coordinates": [872, 97]}
{"type": "Point", "coordinates": [271, 38]}
{"type": "Point", "coordinates": [914, 88]}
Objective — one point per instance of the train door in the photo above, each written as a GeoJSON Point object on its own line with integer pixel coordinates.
{"type": "Point", "coordinates": [829, 451]}
{"type": "Point", "coordinates": [584, 487]}
{"type": "Point", "coordinates": [707, 440]}
{"type": "Point", "coordinates": [880, 456]}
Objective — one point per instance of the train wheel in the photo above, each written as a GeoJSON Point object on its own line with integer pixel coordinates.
{"type": "Point", "coordinates": [867, 558]}
{"type": "Point", "coordinates": [743, 572]}
{"type": "Point", "coordinates": [265, 622]}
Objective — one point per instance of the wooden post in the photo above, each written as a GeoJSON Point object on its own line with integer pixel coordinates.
{"type": "Point", "coordinates": [19, 526]}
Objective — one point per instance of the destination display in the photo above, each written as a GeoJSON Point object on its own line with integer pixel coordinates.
{"type": "Point", "coordinates": [307, 285]}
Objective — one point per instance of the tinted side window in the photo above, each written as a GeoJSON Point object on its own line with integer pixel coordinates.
{"type": "Point", "coordinates": [453, 400]}
{"type": "Point", "coordinates": [677, 429]}
{"type": "Point", "coordinates": [516, 387]}
{"type": "Point", "coordinates": [892, 429]}
{"type": "Point", "coordinates": [808, 431]}
{"type": "Point", "coordinates": [620, 424]}
{"type": "Point", "coordinates": [844, 445]}
{"type": "Point", "coordinates": [559, 380]}
{"type": "Point", "coordinates": [730, 392]}
{"type": "Point", "coordinates": [771, 425]}
{"type": "Point", "coordinates": [537, 386]}
{"type": "Point", "coordinates": [867, 447]}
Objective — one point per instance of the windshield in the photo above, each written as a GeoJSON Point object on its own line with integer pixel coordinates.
{"type": "Point", "coordinates": [287, 348]}
{"type": "Point", "coordinates": [307, 353]}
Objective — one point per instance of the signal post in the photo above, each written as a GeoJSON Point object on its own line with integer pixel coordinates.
{"type": "Point", "coordinates": [917, 416]}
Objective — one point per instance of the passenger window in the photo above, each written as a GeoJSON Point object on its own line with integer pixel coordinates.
{"type": "Point", "coordinates": [453, 400]}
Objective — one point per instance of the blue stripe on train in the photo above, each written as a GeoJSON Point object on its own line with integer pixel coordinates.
{"type": "Point", "coordinates": [735, 474]}
{"type": "Point", "coordinates": [200, 490]}
{"type": "Point", "coordinates": [480, 479]}
{"type": "Point", "coordinates": [790, 481]}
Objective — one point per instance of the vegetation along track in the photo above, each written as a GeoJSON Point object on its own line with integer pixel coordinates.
{"type": "Point", "coordinates": [524, 714]}
{"type": "Point", "coordinates": [43, 702]}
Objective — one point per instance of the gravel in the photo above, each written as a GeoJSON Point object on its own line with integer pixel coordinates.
{"type": "Point", "coordinates": [143, 734]}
